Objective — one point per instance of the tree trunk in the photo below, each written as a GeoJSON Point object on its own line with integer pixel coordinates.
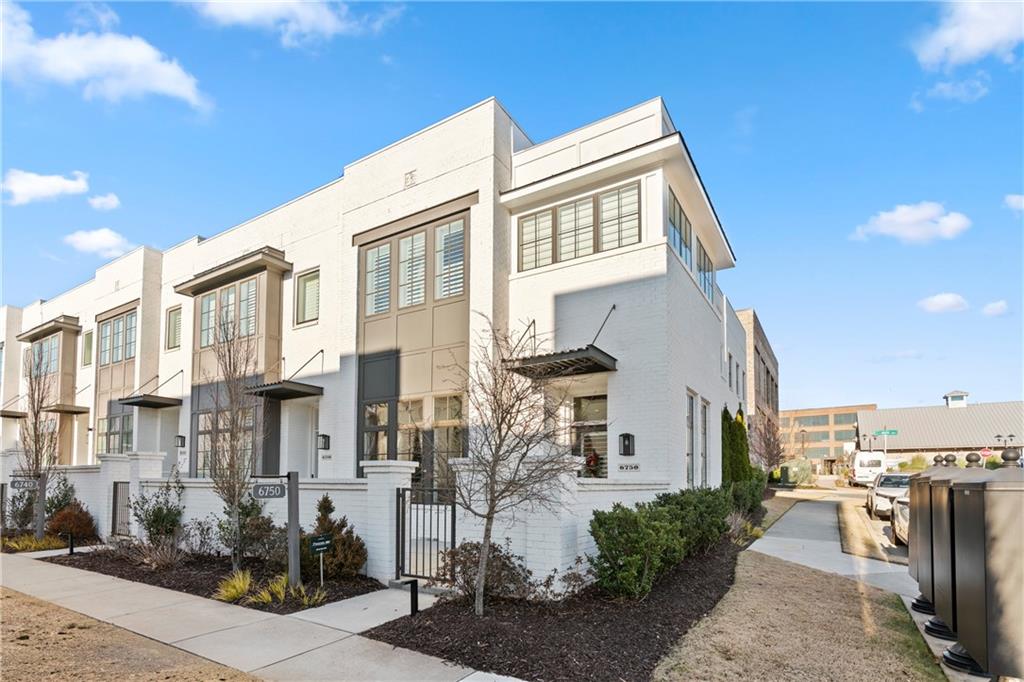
{"type": "Point", "coordinates": [40, 505]}
{"type": "Point", "coordinates": [236, 558]}
{"type": "Point", "coordinates": [481, 573]}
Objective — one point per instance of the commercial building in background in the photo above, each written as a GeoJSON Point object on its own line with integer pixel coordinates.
{"type": "Point", "coordinates": [956, 426]}
{"type": "Point", "coordinates": [824, 435]}
{"type": "Point", "coordinates": [364, 296]}
{"type": "Point", "coordinates": [760, 376]}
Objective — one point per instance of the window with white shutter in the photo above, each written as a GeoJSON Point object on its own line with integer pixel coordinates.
{"type": "Point", "coordinates": [412, 269]}
{"type": "Point", "coordinates": [449, 261]}
{"type": "Point", "coordinates": [247, 307]}
{"type": "Point", "coordinates": [173, 332]}
{"type": "Point", "coordinates": [307, 306]}
{"type": "Point", "coordinates": [378, 279]}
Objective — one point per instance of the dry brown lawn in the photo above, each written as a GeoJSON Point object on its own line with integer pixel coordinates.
{"type": "Point", "coordinates": [782, 621]}
{"type": "Point", "coordinates": [44, 641]}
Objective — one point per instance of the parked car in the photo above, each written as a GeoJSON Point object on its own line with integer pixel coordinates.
{"type": "Point", "coordinates": [883, 490]}
{"type": "Point", "coordinates": [866, 467]}
{"type": "Point", "coordinates": [899, 520]}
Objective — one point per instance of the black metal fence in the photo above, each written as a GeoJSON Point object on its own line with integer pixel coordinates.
{"type": "Point", "coordinates": [119, 524]}
{"type": "Point", "coordinates": [425, 531]}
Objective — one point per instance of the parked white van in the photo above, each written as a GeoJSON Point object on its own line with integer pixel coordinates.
{"type": "Point", "coordinates": [866, 465]}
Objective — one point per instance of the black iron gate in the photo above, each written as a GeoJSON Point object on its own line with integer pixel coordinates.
{"type": "Point", "coordinates": [425, 529]}
{"type": "Point", "coordinates": [119, 524]}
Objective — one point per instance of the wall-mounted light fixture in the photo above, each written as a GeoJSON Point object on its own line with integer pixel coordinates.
{"type": "Point", "coordinates": [627, 445]}
{"type": "Point", "coordinates": [323, 441]}
{"type": "Point", "coordinates": [179, 441]}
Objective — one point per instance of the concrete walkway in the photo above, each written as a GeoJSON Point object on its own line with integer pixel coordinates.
{"type": "Point", "coordinates": [316, 644]}
{"type": "Point", "coordinates": [808, 534]}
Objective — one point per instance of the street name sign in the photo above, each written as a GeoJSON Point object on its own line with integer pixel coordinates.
{"type": "Point", "coordinates": [886, 432]}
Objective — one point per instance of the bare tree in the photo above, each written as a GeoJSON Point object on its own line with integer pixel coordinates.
{"type": "Point", "coordinates": [767, 442]}
{"type": "Point", "coordinates": [236, 434]}
{"type": "Point", "coordinates": [38, 454]}
{"type": "Point", "coordinates": [516, 457]}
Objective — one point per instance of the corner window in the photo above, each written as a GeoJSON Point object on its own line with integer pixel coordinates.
{"type": "Point", "coordinates": [620, 217]}
{"type": "Point", "coordinates": [412, 270]}
{"type": "Point", "coordinates": [590, 434]}
{"type": "Point", "coordinates": [87, 349]}
{"type": "Point", "coordinates": [680, 232]}
{"type": "Point", "coordinates": [535, 241]}
{"type": "Point", "coordinates": [705, 272]}
{"type": "Point", "coordinates": [307, 303]}
{"type": "Point", "coordinates": [449, 259]}
{"type": "Point", "coordinates": [44, 356]}
{"type": "Point", "coordinates": [378, 279]}
{"type": "Point", "coordinates": [173, 331]}
{"type": "Point", "coordinates": [130, 321]}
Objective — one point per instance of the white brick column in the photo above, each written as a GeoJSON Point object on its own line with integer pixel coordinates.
{"type": "Point", "coordinates": [383, 479]}
{"type": "Point", "coordinates": [112, 468]}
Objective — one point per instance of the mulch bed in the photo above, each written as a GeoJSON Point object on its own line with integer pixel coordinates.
{"type": "Point", "coordinates": [200, 577]}
{"type": "Point", "coordinates": [585, 637]}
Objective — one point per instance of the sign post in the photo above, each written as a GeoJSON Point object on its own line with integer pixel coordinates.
{"type": "Point", "coordinates": [885, 433]}
{"type": "Point", "coordinates": [289, 489]}
{"type": "Point", "coordinates": [40, 505]}
{"type": "Point", "coordinates": [319, 544]}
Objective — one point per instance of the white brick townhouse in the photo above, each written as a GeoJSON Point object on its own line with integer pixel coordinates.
{"type": "Point", "coordinates": [362, 295]}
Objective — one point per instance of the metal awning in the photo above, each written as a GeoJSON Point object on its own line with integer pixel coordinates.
{"type": "Point", "coordinates": [155, 402]}
{"type": "Point", "coordinates": [66, 408]}
{"type": "Point", "coordinates": [286, 390]}
{"type": "Point", "coordinates": [587, 360]}
{"type": "Point", "coordinates": [12, 414]}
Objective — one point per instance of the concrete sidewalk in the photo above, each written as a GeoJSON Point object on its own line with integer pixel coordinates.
{"type": "Point", "coordinates": [317, 644]}
{"type": "Point", "coordinates": [808, 534]}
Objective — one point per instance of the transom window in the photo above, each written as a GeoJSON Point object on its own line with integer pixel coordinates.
{"type": "Point", "coordinates": [590, 434]}
{"type": "Point", "coordinates": [599, 222]}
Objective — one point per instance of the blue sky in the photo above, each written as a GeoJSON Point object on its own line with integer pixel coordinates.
{"type": "Point", "coordinates": [812, 124]}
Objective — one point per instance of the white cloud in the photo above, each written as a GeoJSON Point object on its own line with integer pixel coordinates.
{"type": "Point", "coordinates": [298, 23]}
{"type": "Point", "coordinates": [103, 242]}
{"type": "Point", "coordinates": [94, 15]}
{"type": "Point", "coordinates": [915, 223]}
{"type": "Point", "coordinates": [1014, 201]}
{"type": "Point", "coordinates": [971, 31]}
{"type": "Point", "coordinates": [105, 202]}
{"type": "Point", "coordinates": [25, 187]}
{"type": "Point", "coordinates": [967, 90]}
{"type": "Point", "coordinates": [995, 308]}
{"type": "Point", "coordinates": [109, 66]}
{"type": "Point", "coordinates": [943, 303]}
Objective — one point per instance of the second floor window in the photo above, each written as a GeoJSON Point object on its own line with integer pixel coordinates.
{"type": "Point", "coordinates": [378, 279]}
{"type": "Point", "coordinates": [117, 345]}
{"type": "Point", "coordinates": [412, 269]}
{"type": "Point", "coordinates": [87, 349]}
{"type": "Point", "coordinates": [535, 241]}
{"type": "Point", "coordinates": [307, 304]}
{"type": "Point", "coordinates": [576, 229]}
{"type": "Point", "coordinates": [449, 262]}
{"type": "Point", "coordinates": [130, 321]}
{"type": "Point", "coordinates": [620, 217]}
{"type": "Point", "coordinates": [117, 338]}
{"type": "Point", "coordinates": [44, 355]}
{"type": "Point", "coordinates": [246, 307]}
{"type": "Point", "coordinates": [105, 343]}
{"type": "Point", "coordinates": [173, 329]}
{"type": "Point", "coordinates": [207, 304]}
{"type": "Point", "coordinates": [228, 312]}
{"type": "Point", "coordinates": [680, 232]}
{"type": "Point", "coordinates": [705, 272]}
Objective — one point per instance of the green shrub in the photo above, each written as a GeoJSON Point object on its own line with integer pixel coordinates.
{"type": "Point", "coordinates": [159, 513]}
{"type": "Point", "coordinates": [73, 519]}
{"type": "Point", "coordinates": [507, 575]}
{"type": "Point", "coordinates": [254, 529]}
{"type": "Point", "coordinates": [634, 546]}
{"type": "Point", "coordinates": [347, 553]}
{"type": "Point", "coordinates": [21, 510]}
{"type": "Point", "coordinates": [747, 495]}
{"type": "Point", "coordinates": [993, 462]}
{"type": "Point", "coordinates": [700, 514]}
{"type": "Point", "coordinates": [800, 471]}
{"type": "Point", "coordinates": [60, 492]}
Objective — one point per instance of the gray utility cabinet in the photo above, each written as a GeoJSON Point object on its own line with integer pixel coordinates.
{"type": "Point", "coordinates": [989, 540]}
{"type": "Point", "coordinates": [944, 568]}
{"type": "Point", "coordinates": [920, 545]}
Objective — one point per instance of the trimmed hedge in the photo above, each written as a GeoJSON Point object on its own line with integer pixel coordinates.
{"type": "Point", "coordinates": [700, 514]}
{"type": "Point", "coordinates": [747, 495]}
{"type": "Point", "coordinates": [634, 547]}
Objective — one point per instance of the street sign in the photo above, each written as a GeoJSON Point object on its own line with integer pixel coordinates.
{"type": "Point", "coordinates": [985, 452]}
{"type": "Point", "coordinates": [268, 491]}
{"type": "Point", "coordinates": [886, 432]}
{"type": "Point", "coordinates": [319, 544]}
{"type": "Point", "coordinates": [23, 484]}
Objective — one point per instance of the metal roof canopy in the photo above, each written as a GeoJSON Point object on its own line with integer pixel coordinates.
{"type": "Point", "coordinates": [587, 360]}
{"type": "Point", "coordinates": [286, 390]}
{"type": "Point", "coordinates": [155, 402]}
{"type": "Point", "coordinates": [12, 414]}
{"type": "Point", "coordinates": [66, 408]}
